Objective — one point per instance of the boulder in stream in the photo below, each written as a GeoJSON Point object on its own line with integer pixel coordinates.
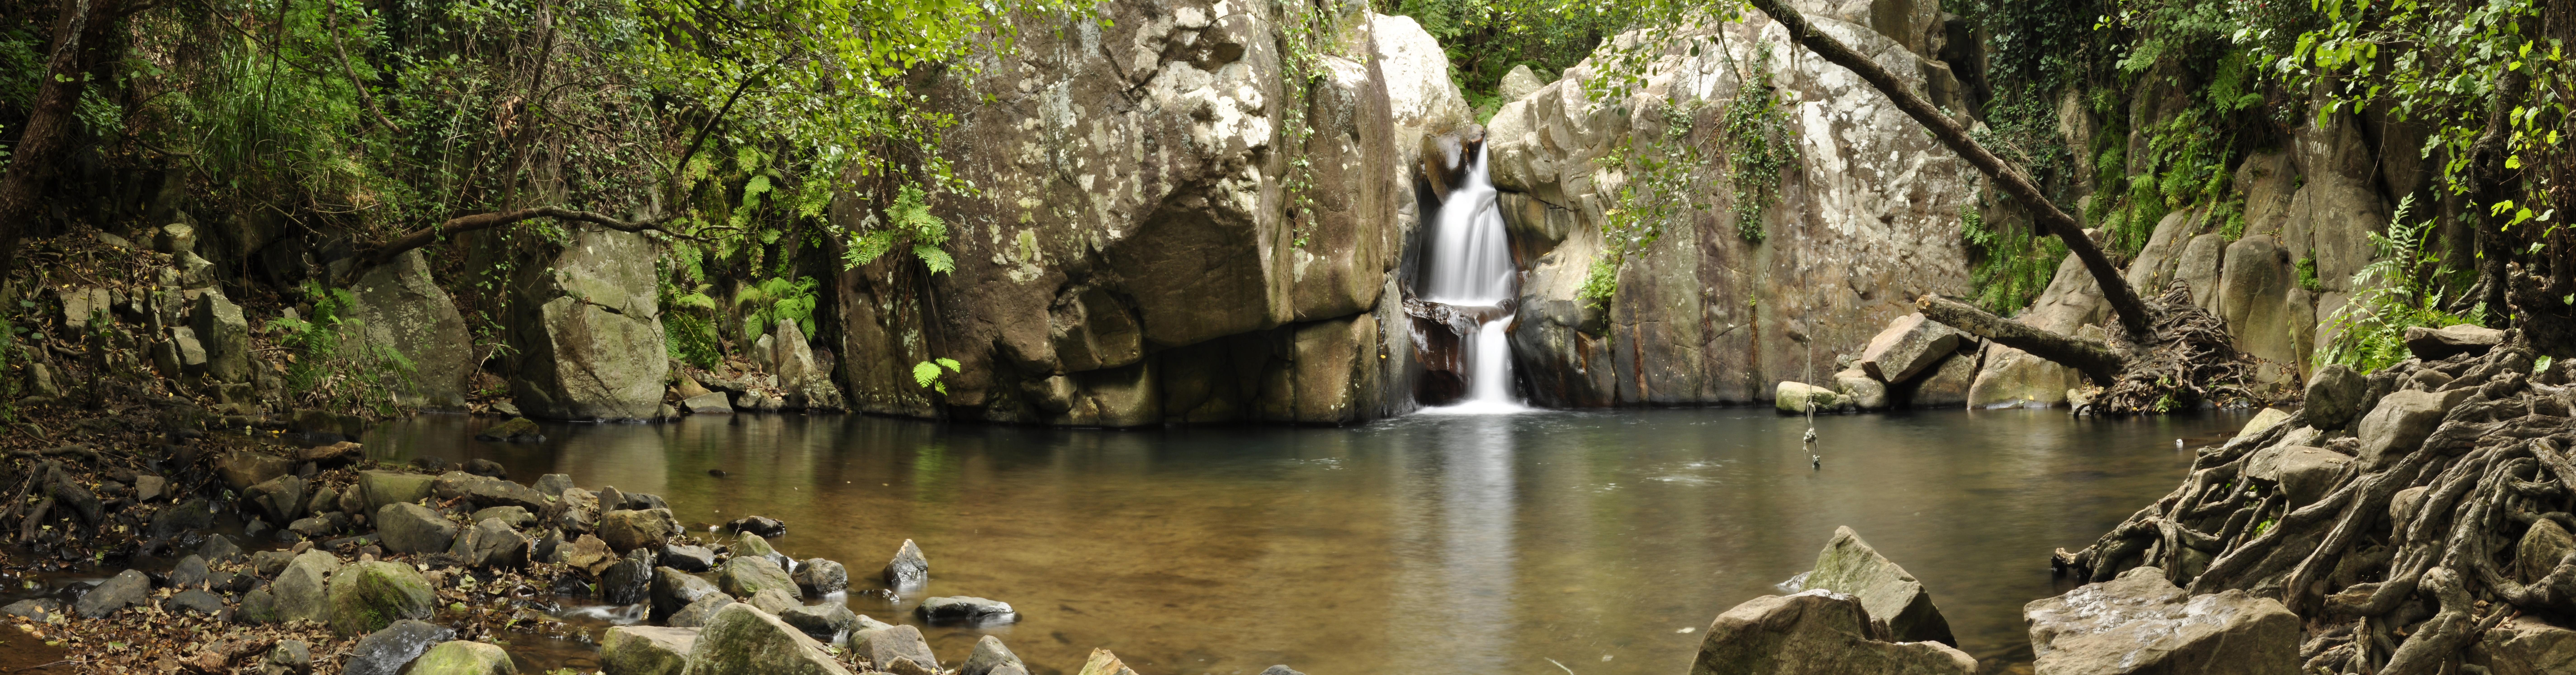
{"type": "Point", "coordinates": [491, 543]}
{"type": "Point", "coordinates": [1908, 346]}
{"type": "Point", "coordinates": [746, 576]}
{"type": "Point", "coordinates": [822, 577]}
{"type": "Point", "coordinates": [385, 652]}
{"type": "Point", "coordinates": [741, 639]}
{"type": "Point", "coordinates": [1816, 631]}
{"type": "Point", "coordinates": [630, 529]}
{"type": "Point", "coordinates": [967, 610]}
{"type": "Point", "coordinates": [1894, 599]}
{"type": "Point", "coordinates": [990, 658]}
{"type": "Point", "coordinates": [1795, 398]}
{"type": "Point", "coordinates": [880, 648]}
{"type": "Point", "coordinates": [908, 568]}
{"type": "Point", "coordinates": [405, 527]}
{"type": "Point", "coordinates": [646, 650]}
{"type": "Point", "coordinates": [2141, 623]}
{"type": "Point", "coordinates": [698, 613]}
{"type": "Point", "coordinates": [674, 589]}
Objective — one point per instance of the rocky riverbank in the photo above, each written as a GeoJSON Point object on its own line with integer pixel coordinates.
{"type": "Point", "coordinates": [2411, 520]}
{"type": "Point", "coordinates": [239, 553]}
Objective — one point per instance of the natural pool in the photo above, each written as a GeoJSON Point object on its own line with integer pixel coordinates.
{"type": "Point", "coordinates": [1429, 543]}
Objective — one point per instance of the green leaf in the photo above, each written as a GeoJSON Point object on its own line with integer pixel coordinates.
{"type": "Point", "coordinates": [933, 258]}
{"type": "Point", "coordinates": [925, 373]}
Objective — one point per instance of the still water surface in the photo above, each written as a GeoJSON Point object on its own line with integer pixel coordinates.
{"type": "Point", "coordinates": [1424, 544]}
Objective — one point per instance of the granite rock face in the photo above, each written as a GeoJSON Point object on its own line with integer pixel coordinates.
{"type": "Point", "coordinates": [2140, 623]}
{"type": "Point", "coordinates": [1892, 596]}
{"type": "Point", "coordinates": [400, 308]}
{"type": "Point", "coordinates": [588, 332]}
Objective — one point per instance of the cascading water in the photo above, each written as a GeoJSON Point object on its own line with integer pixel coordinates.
{"type": "Point", "coordinates": [1471, 270]}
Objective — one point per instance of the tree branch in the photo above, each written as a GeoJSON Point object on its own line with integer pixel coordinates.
{"type": "Point", "coordinates": [2124, 300]}
{"type": "Point", "coordinates": [385, 252]}
{"type": "Point", "coordinates": [331, 24]}
{"type": "Point", "coordinates": [2095, 359]}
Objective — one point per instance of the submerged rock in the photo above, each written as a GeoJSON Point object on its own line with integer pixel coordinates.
{"type": "Point", "coordinates": [967, 610]}
{"type": "Point", "coordinates": [385, 652]}
{"type": "Point", "coordinates": [741, 639]}
{"type": "Point", "coordinates": [1817, 631]}
{"type": "Point", "coordinates": [516, 430]}
{"type": "Point", "coordinates": [1894, 599]}
{"type": "Point", "coordinates": [2140, 623]}
{"type": "Point", "coordinates": [908, 568]}
{"type": "Point", "coordinates": [646, 650]}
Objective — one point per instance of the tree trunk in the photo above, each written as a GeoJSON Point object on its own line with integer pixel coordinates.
{"type": "Point", "coordinates": [81, 27]}
{"type": "Point", "coordinates": [2095, 359]}
{"type": "Point", "coordinates": [2124, 300]}
{"type": "Point", "coordinates": [379, 254]}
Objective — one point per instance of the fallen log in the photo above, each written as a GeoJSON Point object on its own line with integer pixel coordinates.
{"type": "Point", "coordinates": [2094, 358]}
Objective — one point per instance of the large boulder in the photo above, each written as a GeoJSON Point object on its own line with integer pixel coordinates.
{"type": "Point", "coordinates": [2334, 397]}
{"type": "Point", "coordinates": [646, 650]}
{"type": "Point", "coordinates": [2270, 315]}
{"type": "Point", "coordinates": [1893, 598]}
{"type": "Point", "coordinates": [1946, 386]}
{"type": "Point", "coordinates": [697, 614]}
{"type": "Point", "coordinates": [2141, 623]}
{"type": "Point", "coordinates": [369, 596]}
{"type": "Point", "coordinates": [2400, 422]}
{"type": "Point", "coordinates": [405, 527]}
{"type": "Point", "coordinates": [400, 310]}
{"type": "Point", "coordinates": [491, 543]}
{"type": "Point", "coordinates": [1799, 398]}
{"type": "Point", "coordinates": [2303, 473]}
{"type": "Point", "coordinates": [1861, 390]}
{"type": "Point", "coordinates": [1819, 632]}
{"type": "Point", "coordinates": [225, 335]}
{"type": "Point", "coordinates": [745, 576]}
{"type": "Point", "coordinates": [587, 330]}
{"type": "Point", "coordinates": [459, 657]}
{"type": "Point", "coordinates": [1907, 347]}
{"type": "Point", "coordinates": [2529, 645]}
{"type": "Point", "coordinates": [303, 588]}
{"type": "Point", "coordinates": [741, 639]}
{"type": "Point", "coordinates": [630, 529]}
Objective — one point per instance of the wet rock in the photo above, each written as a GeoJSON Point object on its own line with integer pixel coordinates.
{"type": "Point", "coordinates": [822, 577]}
{"type": "Point", "coordinates": [674, 589]}
{"type": "Point", "coordinates": [1104, 663]}
{"type": "Point", "coordinates": [513, 516]}
{"type": "Point", "coordinates": [385, 652]}
{"type": "Point", "coordinates": [1796, 397]}
{"type": "Point", "coordinates": [646, 650]}
{"type": "Point", "coordinates": [710, 403]}
{"type": "Point", "coordinates": [189, 573]}
{"type": "Point", "coordinates": [2303, 473]}
{"type": "Point", "coordinates": [763, 526]}
{"type": "Point", "coordinates": [40, 609]}
{"type": "Point", "coordinates": [688, 558]}
{"type": "Point", "coordinates": [2435, 344]}
{"type": "Point", "coordinates": [590, 554]}
{"type": "Point", "coordinates": [699, 613]}
{"type": "Point", "coordinates": [196, 600]}
{"type": "Point", "coordinates": [629, 581]}
{"type": "Point", "coordinates": [192, 515]}
{"type": "Point", "coordinates": [287, 657]}
{"type": "Point", "coordinates": [553, 484]}
{"type": "Point", "coordinates": [745, 576]}
{"type": "Point", "coordinates": [973, 611]}
{"type": "Point", "coordinates": [1894, 599]}
{"type": "Point", "coordinates": [774, 600]}
{"type": "Point", "coordinates": [755, 545]}
{"type": "Point", "coordinates": [369, 596]}
{"type": "Point", "coordinates": [491, 543]}
{"type": "Point", "coordinates": [580, 512]}
{"type": "Point", "coordinates": [1909, 346]}
{"type": "Point", "coordinates": [2529, 645]}
{"type": "Point", "coordinates": [627, 530]}
{"type": "Point", "coordinates": [411, 528]}
{"type": "Point", "coordinates": [990, 656]}
{"type": "Point", "coordinates": [392, 487]}
{"type": "Point", "coordinates": [2401, 421]}
{"type": "Point", "coordinates": [2541, 548]}
{"type": "Point", "coordinates": [516, 430]}
{"type": "Point", "coordinates": [823, 621]}
{"type": "Point", "coordinates": [740, 639]}
{"type": "Point", "coordinates": [303, 588]}
{"type": "Point", "coordinates": [2140, 623]}
{"type": "Point", "coordinates": [1862, 391]}
{"type": "Point", "coordinates": [486, 468]}
{"type": "Point", "coordinates": [639, 501]}
{"type": "Point", "coordinates": [148, 488]}
{"type": "Point", "coordinates": [243, 468]}
{"type": "Point", "coordinates": [1817, 631]}
{"type": "Point", "coordinates": [879, 648]}
{"type": "Point", "coordinates": [459, 657]}
{"type": "Point", "coordinates": [125, 589]}
{"type": "Point", "coordinates": [2334, 397]}
{"type": "Point", "coordinates": [908, 568]}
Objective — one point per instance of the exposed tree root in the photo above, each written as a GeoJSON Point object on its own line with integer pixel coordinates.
{"type": "Point", "coordinates": [2388, 584]}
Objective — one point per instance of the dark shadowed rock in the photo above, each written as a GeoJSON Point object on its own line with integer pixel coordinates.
{"type": "Point", "coordinates": [269, 563]}
{"type": "Point", "coordinates": [125, 589]}
{"type": "Point", "coordinates": [486, 468]}
{"type": "Point", "coordinates": [741, 639]}
{"type": "Point", "coordinates": [39, 609]}
{"type": "Point", "coordinates": [2435, 344]}
{"type": "Point", "coordinates": [629, 581]}
{"type": "Point", "coordinates": [459, 657]}
{"type": "Point", "coordinates": [220, 548]}
{"type": "Point", "coordinates": [989, 655]}
{"type": "Point", "coordinates": [629, 529]}
{"type": "Point", "coordinates": [190, 572]}
{"type": "Point", "coordinates": [1817, 631]}
{"type": "Point", "coordinates": [2334, 397]}
{"type": "Point", "coordinates": [646, 650]}
{"type": "Point", "coordinates": [822, 577]}
{"type": "Point", "coordinates": [281, 499]}
{"type": "Point", "coordinates": [406, 527]}
{"type": "Point", "coordinates": [688, 558]}
{"type": "Point", "coordinates": [1892, 596]}
{"type": "Point", "coordinates": [2140, 623]}
{"type": "Point", "coordinates": [2541, 548]}
{"type": "Point", "coordinates": [763, 526]}
{"type": "Point", "coordinates": [908, 568]}
{"type": "Point", "coordinates": [385, 652]}
{"type": "Point", "coordinates": [516, 430]}
{"type": "Point", "coordinates": [369, 596]}
{"type": "Point", "coordinates": [195, 600]}
{"type": "Point", "coordinates": [967, 610]}
{"type": "Point", "coordinates": [698, 613]}
{"type": "Point", "coordinates": [674, 589]}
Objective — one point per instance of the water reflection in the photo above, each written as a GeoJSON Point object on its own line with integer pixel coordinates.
{"type": "Point", "coordinates": [1423, 544]}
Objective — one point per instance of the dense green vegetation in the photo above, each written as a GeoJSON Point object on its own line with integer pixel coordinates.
{"type": "Point", "coordinates": [1487, 38]}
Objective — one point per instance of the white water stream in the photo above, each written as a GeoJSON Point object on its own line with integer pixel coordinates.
{"type": "Point", "coordinates": [1471, 267]}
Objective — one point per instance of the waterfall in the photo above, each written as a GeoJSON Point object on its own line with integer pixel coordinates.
{"type": "Point", "coordinates": [1471, 269]}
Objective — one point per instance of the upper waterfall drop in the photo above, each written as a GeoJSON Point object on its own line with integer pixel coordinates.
{"type": "Point", "coordinates": [1471, 269]}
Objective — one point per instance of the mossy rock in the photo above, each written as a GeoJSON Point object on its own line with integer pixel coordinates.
{"type": "Point", "coordinates": [744, 577]}
{"type": "Point", "coordinates": [517, 430]}
{"type": "Point", "coordinates": [459, 657]}
{"type": "Point", "coordinates": [366, 597]}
